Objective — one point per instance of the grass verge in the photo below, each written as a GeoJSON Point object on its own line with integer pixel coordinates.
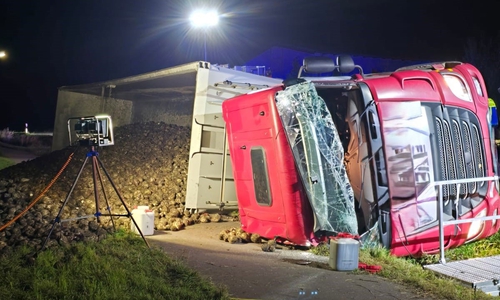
{"type": "Point", "coordinates": [410, 271]}
{"type": "Point", "coordinates": [481, 248]}
{"type": "Point", "coordinates": [5, 162]}
{"type": "Point", "coordinates": [119, 267]}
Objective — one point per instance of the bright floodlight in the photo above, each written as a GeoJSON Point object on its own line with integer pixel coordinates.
{"type": "Point", "coordinates": [201, 18]}
{"type": "Point", "coordinates": [3, 54]}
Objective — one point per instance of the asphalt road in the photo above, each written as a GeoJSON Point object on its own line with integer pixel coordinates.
{"type": "Point", "coordinates": [250, 273]}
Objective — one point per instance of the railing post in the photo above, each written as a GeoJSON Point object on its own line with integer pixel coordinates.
{"type": "Point", "coordinates": [442, 259]}
{"type": "Point", "coordinates": [442, 223]}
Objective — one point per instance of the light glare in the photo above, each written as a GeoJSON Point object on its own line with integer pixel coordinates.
{"type": "Point", "coordinates": [3, 54]}
{"type": "Point", "coordinates": [204, 18]}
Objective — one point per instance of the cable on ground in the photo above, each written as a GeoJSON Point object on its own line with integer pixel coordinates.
{"type": "Point", "coordinates": [41, 194]}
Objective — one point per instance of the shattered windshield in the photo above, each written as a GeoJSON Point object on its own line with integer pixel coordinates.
{"type": "Point", "coordinates": [319, 156]}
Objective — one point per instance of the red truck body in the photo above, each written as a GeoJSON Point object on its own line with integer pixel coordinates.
{"type": "Point", "coordinates": [281, 209]}
{"type": "Point", "coordinates": [401, 132]}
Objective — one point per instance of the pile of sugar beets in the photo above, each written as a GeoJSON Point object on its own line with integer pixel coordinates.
{"type": "Point", "coordinates": [148, 165]}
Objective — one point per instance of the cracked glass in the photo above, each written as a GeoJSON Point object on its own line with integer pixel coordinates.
{"type": "Point", "coordinates": [319, 156]}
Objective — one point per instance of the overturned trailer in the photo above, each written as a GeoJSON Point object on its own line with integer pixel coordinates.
{"type": "Point", "coordinates": [186, 95]}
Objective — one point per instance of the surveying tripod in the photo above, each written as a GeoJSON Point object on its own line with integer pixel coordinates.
{"type": "Point", "coordinates": [96, 162]}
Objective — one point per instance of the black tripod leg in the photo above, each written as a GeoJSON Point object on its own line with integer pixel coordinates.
{"type": "Point", "coordinates": [121, 199]}
{"type": "Point", "coordinates": [58, 217]}
{"type": "Point", "coordinates": [96, 192]}
{"type": "Point", "coordinates": [105, 198]}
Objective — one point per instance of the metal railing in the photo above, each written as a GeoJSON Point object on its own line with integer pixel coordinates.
{"type": "Point", "coordinates": [442, 223]}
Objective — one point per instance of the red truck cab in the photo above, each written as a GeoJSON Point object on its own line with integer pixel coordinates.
{"type": "Point", "coordinates": [400, 132]}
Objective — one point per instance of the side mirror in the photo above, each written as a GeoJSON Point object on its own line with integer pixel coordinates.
{"type": "Point", "coordinates": [318, 64]}
{"type": "Point", "coordinates": [345, 63]}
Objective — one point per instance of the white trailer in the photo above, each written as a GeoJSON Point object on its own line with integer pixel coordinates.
{"type": "Point", "coordinates": [186, 95]}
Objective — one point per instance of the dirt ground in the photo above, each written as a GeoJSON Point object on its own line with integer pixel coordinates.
{"type": "Point", "coordinates": [250, 273]}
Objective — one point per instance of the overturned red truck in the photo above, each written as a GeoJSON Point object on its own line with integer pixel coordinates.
{"type": "Point", "coordinates": [360, 153]}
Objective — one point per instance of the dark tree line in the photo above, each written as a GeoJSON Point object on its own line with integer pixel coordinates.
{"type": "Point", "coordinates": [484, 53]}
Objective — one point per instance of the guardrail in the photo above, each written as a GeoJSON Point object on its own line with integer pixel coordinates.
{"type": "Point", "coordinates": [442, 223]}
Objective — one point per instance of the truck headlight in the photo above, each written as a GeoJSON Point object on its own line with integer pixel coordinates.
{"type": "Point", "coordinates": [476, 226]}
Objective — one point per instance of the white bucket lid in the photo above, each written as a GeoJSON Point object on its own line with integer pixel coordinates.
{"type": "Point", "coordinates": [347, 241]}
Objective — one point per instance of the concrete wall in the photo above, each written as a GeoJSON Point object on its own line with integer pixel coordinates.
{"type": "Point", "coordinates": [174, 107]}
{"type": "Point", "coordinates": [72, 104]}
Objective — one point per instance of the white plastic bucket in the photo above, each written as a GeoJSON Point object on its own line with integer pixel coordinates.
{"type": "Point", "coordinates": [344, 254]}
{"type": "Point", "coordinates": [145, 219]}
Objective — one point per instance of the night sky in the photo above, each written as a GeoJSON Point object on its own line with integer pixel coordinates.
{"type": "Point", "coordinates": [55, 43]}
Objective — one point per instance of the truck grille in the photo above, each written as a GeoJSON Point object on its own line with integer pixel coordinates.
{"type": "Point", "coordinates": [461, 154]}
{"type": "Point", "coordinates": [470, 167]}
